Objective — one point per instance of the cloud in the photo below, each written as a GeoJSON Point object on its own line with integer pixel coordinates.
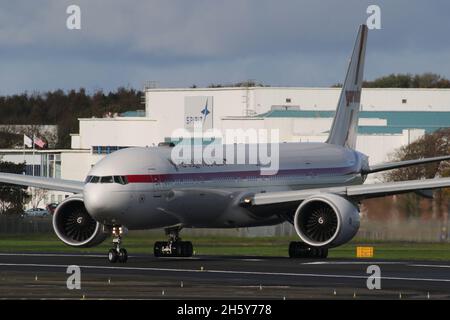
{"type": "Point", "coordinates": [179, 42]}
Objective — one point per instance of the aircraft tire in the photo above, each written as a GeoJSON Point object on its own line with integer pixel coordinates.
{"type": "Point", "coordinates": [112, 256]}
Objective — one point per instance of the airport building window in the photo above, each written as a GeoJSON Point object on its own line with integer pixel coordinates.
{"type": "Point", "coordinates": [50, 166]}
{"type": "Point", "coordinates": [29, 169]}
{"type": "Point", "coordinates": [106, 149]}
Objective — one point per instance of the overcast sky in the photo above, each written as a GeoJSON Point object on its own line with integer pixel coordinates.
{"type": "Point", "coordinates": [186, 42]}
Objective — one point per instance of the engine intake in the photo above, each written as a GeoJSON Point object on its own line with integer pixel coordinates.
{"type": "Point", "coordinates": [326, 220]}
{"type": "Point", "coordinates": [74, 226]}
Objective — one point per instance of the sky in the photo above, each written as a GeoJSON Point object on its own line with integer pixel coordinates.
{"type": "Point", "coordinates": [179, 43]}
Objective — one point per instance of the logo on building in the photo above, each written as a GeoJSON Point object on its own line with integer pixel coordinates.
{"type": "Point", "coordinates": [205, 112]}
{"type": "Point", "coordinates": [198, 111]}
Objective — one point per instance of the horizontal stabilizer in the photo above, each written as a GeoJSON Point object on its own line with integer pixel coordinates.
{"type": "Point", "coordinates": [401, 164]}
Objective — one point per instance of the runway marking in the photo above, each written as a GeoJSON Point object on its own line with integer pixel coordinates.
{"type": "Point", "coordinates": [104, 255]}
{"type": "Point", "coordinates": [249, 259]}
{"type": "Point", "coordinates": [82, 255]}
{"type": "Point", "coordinates": [430, 265]}
{"type": "Point", "coordinates": [53, 255]}
{"type": "Point", "coordinates": [311, 275]}
{"type": "Point", "coordinates": [350, 262]}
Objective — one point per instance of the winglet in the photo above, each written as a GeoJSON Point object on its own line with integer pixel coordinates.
{"type": "Point", "coordinates": [345, 123]}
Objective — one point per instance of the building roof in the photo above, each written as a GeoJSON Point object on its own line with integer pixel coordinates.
{"type": "Point", "coordinates": [397, 121]}
{"type": "Point", "coordinates": [225, 88]}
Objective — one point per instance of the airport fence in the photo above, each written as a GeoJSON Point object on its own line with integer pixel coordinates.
{"type": "Point", "coordinates": [402, 230]}
{"type": "Point", "coordinates": [14, 224]}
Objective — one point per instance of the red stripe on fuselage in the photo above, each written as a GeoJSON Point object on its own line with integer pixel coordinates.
{"type": "Point", "coordinates": [143, 178]}
{"type": "Point", "coordinates": [201, 176]}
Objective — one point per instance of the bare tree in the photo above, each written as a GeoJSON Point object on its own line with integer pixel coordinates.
{"type": "Point", "coordinates": [430, 145]}
{"type": "Point", "coordinates": [37, 196]}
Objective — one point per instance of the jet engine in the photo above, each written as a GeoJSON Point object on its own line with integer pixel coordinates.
{"type": "Point", "coordinates": [74, 226]}
{"type": "Point", "coordinates": [326, 220]}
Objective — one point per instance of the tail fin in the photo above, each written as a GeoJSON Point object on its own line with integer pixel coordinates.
{"type": "Point", "coordinates": [345, 123]}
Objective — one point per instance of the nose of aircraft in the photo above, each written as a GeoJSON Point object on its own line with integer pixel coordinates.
{"type": "Point", "coordinates": [94, 201]}
{"type": "Point", "coordinates": [102, 204]}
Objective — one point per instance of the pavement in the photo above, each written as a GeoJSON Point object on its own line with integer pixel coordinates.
{"type": "Point", "coordinates": [44, 276]}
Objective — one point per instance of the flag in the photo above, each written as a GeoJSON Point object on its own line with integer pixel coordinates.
{"type": "Point", "coordinates": [39, 142]}
{"type": "Point", "coordinates": [27, 141]}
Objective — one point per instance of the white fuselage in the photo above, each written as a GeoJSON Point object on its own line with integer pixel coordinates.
{"type": "Point", "coordinates": [153, 192]}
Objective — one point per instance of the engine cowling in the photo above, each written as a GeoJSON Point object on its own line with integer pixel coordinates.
{"type": "Point", "coordinates": [326, 220]}
{"type": "Point", "coordinates": [74, 226]}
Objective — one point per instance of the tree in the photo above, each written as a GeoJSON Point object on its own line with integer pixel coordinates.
{"type": "Point", "coordinates": [430, 145]}
{"type": "Point", "coordinates": [63, 109]}
{"type": "Point", "coordinates": [425, 80]}
{"type": "Point", "coordinates": [37, 196]}
{"type": "Point", "coordinates": [12, 197]}
{"type": "Point", "coordinates": [242, 84]}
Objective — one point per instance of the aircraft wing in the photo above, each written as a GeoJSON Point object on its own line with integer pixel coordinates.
{"type": "Point", "coordinates": [355, 192]}
{"type": "Point", "coordinates": [42, 182]}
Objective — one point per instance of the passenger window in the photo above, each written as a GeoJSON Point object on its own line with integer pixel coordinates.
{"type": "Point", "coordinates": [107, 179]}
{"type": "Point", "coordinates": [94, 179]}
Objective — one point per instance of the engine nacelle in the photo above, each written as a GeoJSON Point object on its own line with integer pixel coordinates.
{"type": "Point", "coordinates": [74, 226]}
{"type": "Point", "coordinates": [326, 220]}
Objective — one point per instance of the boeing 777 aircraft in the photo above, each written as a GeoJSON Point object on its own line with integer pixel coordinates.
{"type": "Point", "coordinates": [317, 188]}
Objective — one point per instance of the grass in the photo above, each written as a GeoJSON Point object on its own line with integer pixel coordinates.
{"type": "Point", "coordinates": [139, 242]}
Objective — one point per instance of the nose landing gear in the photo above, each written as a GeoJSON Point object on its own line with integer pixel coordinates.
{"type": "Point", "coordinates": [117, 253]}
{"type": "Point", "coordinates": [174, 247]}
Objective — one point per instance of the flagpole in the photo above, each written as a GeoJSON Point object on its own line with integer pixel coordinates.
{"type": "Point", "coordinates": [32, 189]}
{"type": "Point", "coordinates": [32, 142]}
{"type": "Point", "coordinates": [24, 148]}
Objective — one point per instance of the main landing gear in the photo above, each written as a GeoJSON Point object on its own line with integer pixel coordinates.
{"type": "Point", "coordinates": [302, 250]}
{"type": "Point", "coordinates": [117, 253]}
{"type": "Point", "coordinates": [174, 247]}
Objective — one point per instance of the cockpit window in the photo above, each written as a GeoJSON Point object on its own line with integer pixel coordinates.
{"type": "Point", "coordinates": [107, 179]}
{"type": "Point", "coordinates": [120, 179]}
{"type": "Point", "coordinates": [94, 179]}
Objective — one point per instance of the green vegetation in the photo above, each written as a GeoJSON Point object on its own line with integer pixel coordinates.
{"type": "Point", "coordinates": [12, 197]}
{"type": "Point", "coordinates": [62, 109]}
{"type": "Point", "coordinates": [141, 242]}
{"type": "Point", "coordinates": [406, 80]}
{"type": "Point", "coordinates": [425, 80]}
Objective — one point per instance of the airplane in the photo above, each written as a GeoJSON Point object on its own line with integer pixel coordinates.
{"type": "Point", "coordinates": [317, 188]}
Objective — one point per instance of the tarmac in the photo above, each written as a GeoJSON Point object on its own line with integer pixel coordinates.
{"type": "Point", "coordinates": [44, 276]}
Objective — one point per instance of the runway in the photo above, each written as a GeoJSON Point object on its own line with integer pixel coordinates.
{"type": "Point", "coordinates": [43, 276]}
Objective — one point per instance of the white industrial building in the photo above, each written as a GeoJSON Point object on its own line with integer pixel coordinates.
{"type": "Point", "coordinates": [390, 118]}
